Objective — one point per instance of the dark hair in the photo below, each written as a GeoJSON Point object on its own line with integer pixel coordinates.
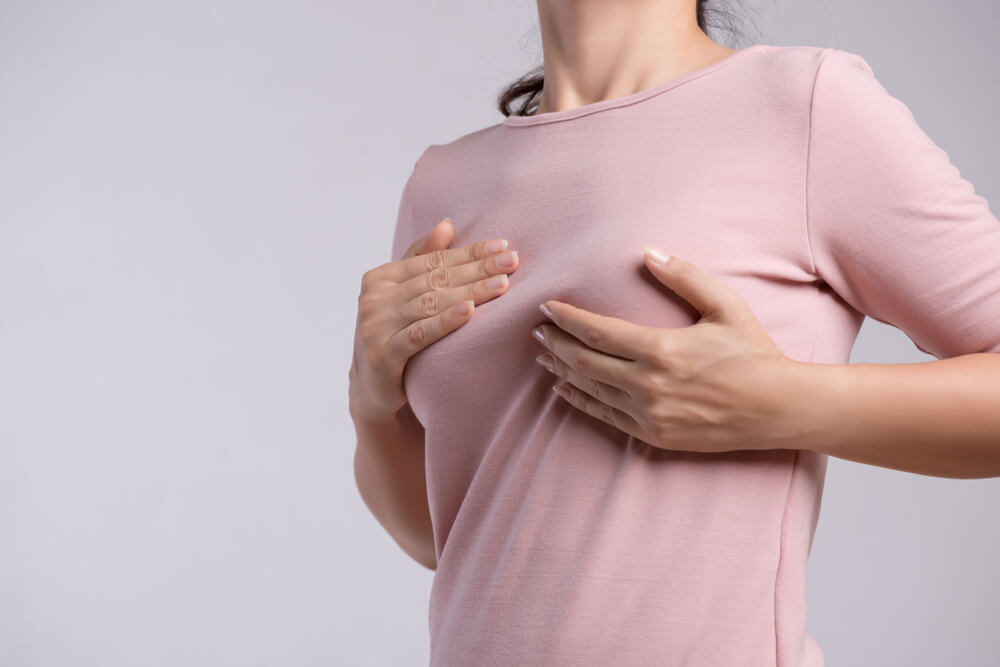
{"type": "Point", "coordinates": [529, 85]}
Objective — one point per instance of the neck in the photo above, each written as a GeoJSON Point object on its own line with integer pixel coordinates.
{"type": "Point", "coordinates": [596, 50]}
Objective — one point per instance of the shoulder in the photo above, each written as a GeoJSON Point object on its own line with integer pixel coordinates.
{"type": "Point", "coordinates": [442, 170]}
{"type": "Point", "coordinates": [809, 59]}
{"type": "Point", "coordinates": [844, 78]}
{"type": "Point", "coordinates": [781, 78]}
{"type": "Point", "coordinates": [847, 96]}
{"type": "Point", "coordinates": [791, 72]}
{"type": "Point", "coordinates": [836, 89]}
{"type": "Point", "coordinates": [451, 149]}
{"type": "Point", "coordinates": [448, 161]}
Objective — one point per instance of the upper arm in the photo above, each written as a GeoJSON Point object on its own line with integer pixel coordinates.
{"type": "Point", "coordinates": [894, 229]}
{"type": "Point", "coordinates": [406, 229]}
{"type": "Point", "coordinates": [403, 234]}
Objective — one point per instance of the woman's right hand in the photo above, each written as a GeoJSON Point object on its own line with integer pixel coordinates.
{"type": "Point", "coordinates": [406, 305]}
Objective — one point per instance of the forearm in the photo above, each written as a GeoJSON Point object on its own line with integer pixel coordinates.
{"type": "Point", "coordinates": [389, 472]}
{"type": "Point", "coordinates": [938, 418]}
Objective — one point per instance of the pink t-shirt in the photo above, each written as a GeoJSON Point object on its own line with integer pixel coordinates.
{"type": "Point", "coordinates": [789, 174]}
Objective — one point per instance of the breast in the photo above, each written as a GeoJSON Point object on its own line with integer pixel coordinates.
{"type": "Point", "coordinates": [590, 258]}
{"type": "Point", "coordinates": [579, 221]}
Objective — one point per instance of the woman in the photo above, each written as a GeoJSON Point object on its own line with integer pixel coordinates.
{"type": "Point", "coordinates": [662, 509]}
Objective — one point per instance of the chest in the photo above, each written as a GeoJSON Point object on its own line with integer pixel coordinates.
{"type": "Point", "coordinates": [579, 221]}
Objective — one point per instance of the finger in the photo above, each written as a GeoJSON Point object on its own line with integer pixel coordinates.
{"type": "Point", "coordinates": [431, 293]}
{"type": "Point", "coordinates": [407, 268]}
{"type": "Point", "coordinates": [608, 334]}
{"type": "Point", "coordinates": [709, 297]}
{"type": "Point", "coordinates": [435, 300]}
{"type": "Point", "coordinates": [600, 410]}
{"type": "Point", "coordinates": [447, 278]}
{"type": "Point", "coordinates": [422, 332]}
{"type": "Point", "coordinates": [616, 397]}
{"type": "Point", "coordinates": [439, 236]}
{"type": "Point", "coordinates": [588, 364]}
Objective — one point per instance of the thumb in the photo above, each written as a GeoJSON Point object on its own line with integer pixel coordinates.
{"type": "Point", "coordinates": [708, 296]}
{"type": "Point", "coordinates": [437, 238]}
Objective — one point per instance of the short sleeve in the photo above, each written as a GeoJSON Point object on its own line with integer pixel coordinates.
{"type": "Point", "coordinates": [893, 227]}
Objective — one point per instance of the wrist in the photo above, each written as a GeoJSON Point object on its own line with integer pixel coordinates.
{"type": "Point", "coordinates": [813, 396]}
{"type": "Point", "coordinates": [372, 420]}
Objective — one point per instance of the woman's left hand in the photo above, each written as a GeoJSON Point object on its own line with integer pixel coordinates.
{"type": "Point", "coordinates": [718, 385]}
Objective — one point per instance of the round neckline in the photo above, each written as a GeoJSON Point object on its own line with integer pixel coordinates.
{"type": "Point", "coordinates": [632, 98]}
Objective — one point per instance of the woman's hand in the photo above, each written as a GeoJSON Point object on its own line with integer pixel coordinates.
{"type": "Point", "coordinates": [406, 305]}
{"type": "Point", "coordinates": [716, 386]}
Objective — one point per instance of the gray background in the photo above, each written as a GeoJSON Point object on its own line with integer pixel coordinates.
{"type": "Point", "coordinates": [189, 194]}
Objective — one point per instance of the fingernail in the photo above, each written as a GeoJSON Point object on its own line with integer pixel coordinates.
{"type": "Point", "coordinates": [655, 255]}
{"type": "Point", "coordinates": [545, 360]}
{"type": "Point", "coordinates": [507, 259]}
{"type": "Point", "coordinates": [496, 245]}
{"type": "Point", "coordinates": [497, 282]}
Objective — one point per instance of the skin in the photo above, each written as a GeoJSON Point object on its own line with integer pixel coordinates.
{"type": "Point", "coordinates": [593, 50]}
{"type": "Point", "coordinates": [718, 385]}
{"type": "Point", "coordinates": [403, 307]}
{"type": "Point", "coordinates": [596, 50]}
{"type": "Point", "coordinates": [406, 305]}
{"type": "Point", "coordinates": [721, 384]}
